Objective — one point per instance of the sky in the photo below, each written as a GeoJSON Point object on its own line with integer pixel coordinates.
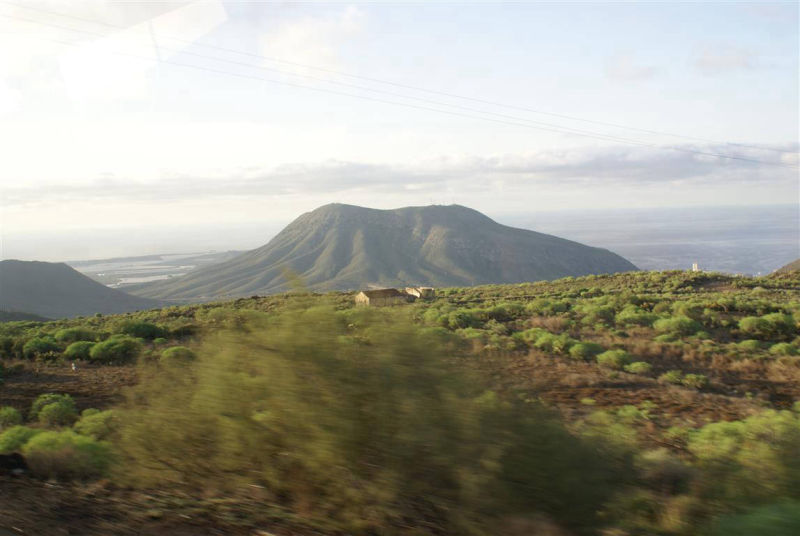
{"type": "Point", "coordinates": [186, 119]}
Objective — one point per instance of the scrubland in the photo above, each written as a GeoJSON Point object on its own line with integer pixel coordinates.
{"type": "Point", "coordinates": [639, 403]}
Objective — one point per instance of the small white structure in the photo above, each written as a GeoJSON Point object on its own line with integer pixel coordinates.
{"type": "Point", "coordinates": [695, 267]}
{"type": "Point", "coordinates": [420, 292]}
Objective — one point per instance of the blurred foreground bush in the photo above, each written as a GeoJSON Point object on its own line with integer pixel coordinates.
{"type": "Point", "coordinates": [361, 419]}
{"type": "Point", "coordinates": [67, 455]}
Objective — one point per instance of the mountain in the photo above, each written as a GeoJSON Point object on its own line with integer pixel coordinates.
{"type": "Point", "coordinates": [791, 267]}
{"type": "Point", "coordinates": [54, 290]}
{"type": "Point", "coordinates": [340, 247]}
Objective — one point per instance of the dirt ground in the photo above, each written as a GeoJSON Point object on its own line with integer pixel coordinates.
{"type": "Point", "coordinates": [90, 386]}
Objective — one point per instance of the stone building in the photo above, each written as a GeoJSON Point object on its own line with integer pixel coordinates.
{"type": "Point", "coordinates": [381, 297]}
{"type": "Point", "coordinates": [420, 292]}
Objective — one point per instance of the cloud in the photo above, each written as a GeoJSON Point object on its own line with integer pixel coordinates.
{"type": "Point", "coordinates": [624, 67]}
{"type": "Point", "coordinates": [721, 59]}
{"type": "Point", "coordinates": [569, 170]}
{"type": "Point", "coordinates": [313, 41]}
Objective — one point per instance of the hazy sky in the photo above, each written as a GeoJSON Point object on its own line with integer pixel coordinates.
{"type": "Point", "coordinates": [117, 115]}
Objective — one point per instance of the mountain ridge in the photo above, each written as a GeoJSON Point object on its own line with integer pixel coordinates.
{"type": "Point", "coordinates": [343, 247]}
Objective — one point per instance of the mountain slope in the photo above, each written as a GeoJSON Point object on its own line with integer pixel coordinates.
{"type": "Point", "coordinates": [54, 290]}
{"type": "Point", "coordinates": [339, 247]}
{"type": "Point", "coordinates": [791, 267]}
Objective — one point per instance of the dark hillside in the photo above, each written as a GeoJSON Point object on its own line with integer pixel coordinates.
{"type": "Point", "coordinates": [54, 290]}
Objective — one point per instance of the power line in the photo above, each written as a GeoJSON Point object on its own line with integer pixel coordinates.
{"type": "Point", "coordinates": [513, 120]}
{"type": "Point", "coordinates": [558, 128]}
{"type": "Point", "coordinates": [410, 87]}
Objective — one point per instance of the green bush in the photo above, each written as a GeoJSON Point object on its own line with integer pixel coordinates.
{"type": "Point", "coordinates": [780, 519]}
{"type": "Point", "coordinates": [142, 330]}
{"type": "Point", "coordinates": [614, 359]}
{"type": "Point", "coordinates": [177, 355]}
{"type": "Point", "coordinates": [549, 342]}
{"type": "Point", "coordinates": [115, 350]}
{"type": "Point", "coordinates": [635, 316]}
{"type": "Point", "coordinates": [672, 376]}
{"type": "Point", "coordinates": [75, 334]}
{"type": "Point", "coordinates": [639, 367]}
{"type": "Point", "coordinates": [783, 348]}
{"type": "Point", "coordinates": [750, 345]}
{"type": "Point", "coordinates": [79, 350]}
{"type": "Point", "coordinates": [40, 347]}
{"type": "Point", "coordinates": [9, 417]}
{"type": "Point", "coordinates": [695, 381]}
{"type": "Point", "coordinates": [748, 462]}
{"type": "Point", "coordinates": [463, 319]}
{"type": "Point", "coordinates": [774, 326]}
{"type": "Point", "coordinates": [61, 413]}
{"type": "Point", "coordinates": [585, 350]}
{"type": "Point", "coordinates": [368, 426]}
{"type": "Point", "coordinates": [48, 399]}
{"type": "Point", "coordinates": [14, 438]}
{"type": "Point", "coordinates": [97, 424]}
{"type": "Point", "coordinates": [677, 325]}
{"type": "Point", "coordinates": [67, 455]}
{"type": "Point", "coordinates": [598, 314]}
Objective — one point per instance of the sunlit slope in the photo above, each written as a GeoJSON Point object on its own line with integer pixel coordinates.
{"type": "Point", "coordinates": [791, 267]}
{"type": "Point", "coordinates": [338, 247]}
{"type": "Point", "coordinates": [54, 290]}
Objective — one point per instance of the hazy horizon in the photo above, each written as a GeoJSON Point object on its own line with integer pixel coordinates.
{"type": "Point", "coordinates": [738, 239]}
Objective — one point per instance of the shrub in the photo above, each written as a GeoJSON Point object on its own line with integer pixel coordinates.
{"type": "Point", "coordinates": [750, 345]}
{"type": "Point", "coordinates": [780, 519]}
{"type": "Point", "coordinates": [177, 355]}
{"type": "Point", "coordinates": [75, 334]}
{"type": "Point", "coordinates": [695, 381]}
{"type": "Point", "coordinates": [142, 330]}
{"type": "Point", "coordinates": [462, 319]}
{"type": "Point", "coordinates": [635, 316]}
{"type": "Point", "coordinates": [67, 455]}
{"type": "Point", "coordinates": [614, 359]}
{"type": "Point", "coordinates": [672, 376]}
{"type": "Point", "coordinates": [550, 342]}
{"type": "Point", "coordinates": [117, 349]}
{"type": "Point", "coordinates": [678, 325]}
{"type": "Point", "coordinates": [14, 438]}
{"type": "Point", "coordinates": [79, 350]}
{"type": "Point", "coordinates": [9, 417]}
{"type": "Point", "coordinates": [96, 424]}
{"type": "Point", "coordinates": [368, 426]}
{"type": "Point", "coordinates": [598, 314]}
{"type": "Point", "coordinates": [585, 350]}
{"type": "Point", "coordinates": [639, 367]}
{"type": "Point", "coordinates": [772, 326]}
{"type": "Point", "coordinates": [39, 347]}
{"type": "Point", "coordinates": [748, 462]}
{"type": "Point", "coordinates": [783, 348]}
{"type": "Point", "coordinates": [48, 399]}
{"type": "Point", "coordinates": [61, 413]}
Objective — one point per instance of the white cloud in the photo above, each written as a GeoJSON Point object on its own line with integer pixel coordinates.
{"type": "Point", "coordinates": [719, 59]}
{"type": "Point", "coordinates": [568, 170]}
{"type": "Point", "coordinates": [313, 41]}
{"type": "Point", "coordinates": [625, 67]}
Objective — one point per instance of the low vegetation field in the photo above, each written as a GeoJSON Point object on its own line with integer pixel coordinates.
{"type": "Point", "coordinates": [641, 403]}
